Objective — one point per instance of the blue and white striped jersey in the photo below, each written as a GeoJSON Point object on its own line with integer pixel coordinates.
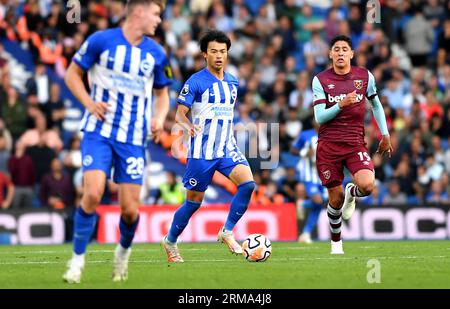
{"type": "Point", "coordinates": [123, 76]}
{"type": "Point", "coordinates": [307, 165]}
{"type": "Point", "coordinates": [212, 107]}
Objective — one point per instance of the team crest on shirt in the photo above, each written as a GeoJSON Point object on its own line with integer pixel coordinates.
{"type": "Point", "coordinates": [146, 67]}
{"type": "Point", "coordinates": [358, 84]}
{"type": "Point", "coordinates": [193, 182]}
{"type": "Point", "coordinates": [326, 174]}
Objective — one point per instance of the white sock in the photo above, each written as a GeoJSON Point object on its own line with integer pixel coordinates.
{"type": "Point", "coordinates": [78, 259]}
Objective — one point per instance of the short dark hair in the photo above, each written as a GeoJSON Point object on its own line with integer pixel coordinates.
{"type": "Point", "coordinates": [132, 3]}
{"type": "Point", "coordinates": [213, 35]}
{"type": "Point", "coordinates": [341, 38]}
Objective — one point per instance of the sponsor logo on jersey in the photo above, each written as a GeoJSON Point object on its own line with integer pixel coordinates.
{"type": "Point", "coordinates": [339, 98]}
{"type": "Point", "coordinates": [331, 86]}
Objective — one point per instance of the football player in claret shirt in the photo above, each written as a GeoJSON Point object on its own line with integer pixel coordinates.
{"type": "Point", "coordinates": [340, 94]}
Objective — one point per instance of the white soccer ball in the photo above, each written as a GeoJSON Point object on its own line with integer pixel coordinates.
{"type": "Point", "coordinates": [256, 248]}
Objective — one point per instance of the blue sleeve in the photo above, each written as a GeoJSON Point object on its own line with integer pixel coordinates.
{"type": "Point", "coordinates": [378, 112]}
{"type": "Point", "coordinates": [163, 73]}
{"type": "Point", "coordinates": [318, 92]}
{"type": "Point", "coordinates": [188, 93]}
{"type": "Point", "coordinates": [371, 87]}
{"type": "Point", "coordinates": [299, 142]}
{"type": "Point", "coordinates": [90, 51]}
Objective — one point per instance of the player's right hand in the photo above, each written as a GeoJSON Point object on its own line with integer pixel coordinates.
{"type": "Point", "coordinates": [99, 110]}
{"type": "Point", "coordinates": [194, 130]}
{"type": "Point", "coordinates": [349, 99]}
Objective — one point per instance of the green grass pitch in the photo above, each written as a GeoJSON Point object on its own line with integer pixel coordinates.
{"type": "Point", "coordinates": [408, 264]}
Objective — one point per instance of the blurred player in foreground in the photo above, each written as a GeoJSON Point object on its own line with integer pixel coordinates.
{"type": "Point", "coordinates": [124, 66]}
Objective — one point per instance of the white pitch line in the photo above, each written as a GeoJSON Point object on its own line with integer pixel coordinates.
{"type": "Point", "coordinates": [134, 250]}
{"type": "Point", "coordinates": [230, 260]}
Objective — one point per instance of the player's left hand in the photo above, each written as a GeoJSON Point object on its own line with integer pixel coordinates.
{"type": "Point", "coordinates": [156, 128]}
{"type": "Point", "coordinates": [385, 146]}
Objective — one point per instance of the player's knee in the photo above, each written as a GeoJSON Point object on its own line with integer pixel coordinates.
{"type": "Point", "coordinates": [337, 200]}
{"type": "Point", "coordinates": [130, 214]}
{"type": "Point", "coordinates": [91, 199]}
{"type": "Point", "coordinates": [367, 188]}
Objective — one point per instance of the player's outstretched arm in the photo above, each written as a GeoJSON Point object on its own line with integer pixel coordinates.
{"type": "Point", "coordinates": [162, 108]}
{"type": "Point", "coordinates": [74, 81]}
{"type": "Point", "coordinates": [378, 112]}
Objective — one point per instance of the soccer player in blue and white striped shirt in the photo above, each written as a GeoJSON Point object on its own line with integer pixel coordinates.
{"type": "Point", "coordinates": [125, 68]}
{"type": "Point", "coordinates": [210, 95]}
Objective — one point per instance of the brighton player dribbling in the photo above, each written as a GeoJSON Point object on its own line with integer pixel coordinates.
{"type": "Point", "coordinates": [210, 95]}
{"type": "Point", "coordinates": [339, 107]}
{"type": "Point", "coordinates": [125, 68]}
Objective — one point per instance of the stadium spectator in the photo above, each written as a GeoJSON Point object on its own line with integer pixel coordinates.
{"type": "Point", "coordinates": [41, 135]}
{"type": "Point", "coordinates": [23, 175]}
{"type": "Point", "coordinates": [14, 114]}
{"type": "Point", "coordinates": [38, 86]}
{"type": "Point", "coordinates": [171, 192]}
{"type": "Point", "coordinates": [443, 56]}
{"type": "Point", "coordinates": [5, 147]}
{"type": "Point", "coordinates": [394, 195]}
{"type": "Point", "coordinates": [6, 191]}
{"type": "Point", "coordinates": [437, 193]}
{"type": "Point", "coordinates": [419, 38]}
{"type": "Point", "coordinates": [267, 195]}
{"type": "Point", "coordinates": [287, 185]}
{"type": "Point", "coordinates": [56, 190]}
{"type": "Point", "coordinates": [54, 109]}
{"type": "Point", "coordinates": [71, 157]}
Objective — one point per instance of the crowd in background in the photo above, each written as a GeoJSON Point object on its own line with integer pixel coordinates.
{"type": "Point", "coordinates": [277, 48]}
